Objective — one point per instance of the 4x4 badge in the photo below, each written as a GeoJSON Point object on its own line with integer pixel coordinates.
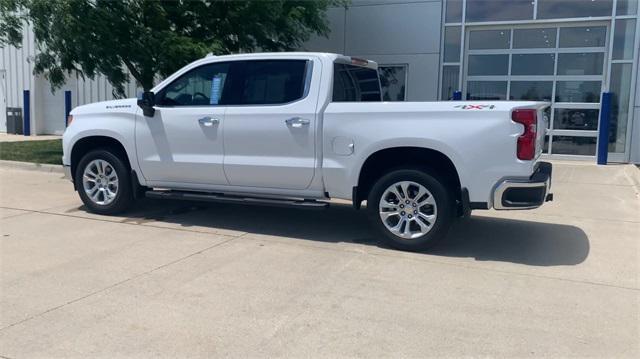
{"type": "Point", "coordinates": [475, 107]}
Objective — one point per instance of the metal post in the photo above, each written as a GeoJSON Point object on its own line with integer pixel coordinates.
{"type": "Point", "coordinates": [26, 100]}
{"type": "Point", "coordinates": [67, 107]}
{"type": "Point", "coordinates": [457, 96]}
{"type": "Point", "coordinates": [603, 128]}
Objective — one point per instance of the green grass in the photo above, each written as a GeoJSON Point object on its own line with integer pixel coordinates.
{"type": "Point", "coordinates": [45, 151]}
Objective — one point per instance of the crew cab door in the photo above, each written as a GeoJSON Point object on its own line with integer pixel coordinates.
{"type": "Point", "coordinates": [182, 142]}
{"type": "Point", "coordinates": [270, 130]}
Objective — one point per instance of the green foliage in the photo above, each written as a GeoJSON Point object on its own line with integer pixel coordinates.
{"type": "Point", "coordinates": [151, 38]}
{"type": "Point", "coordinates": [41, 151]}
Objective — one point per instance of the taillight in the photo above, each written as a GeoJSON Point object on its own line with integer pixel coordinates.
{"type": "Point", "coordinates": [527, 141]}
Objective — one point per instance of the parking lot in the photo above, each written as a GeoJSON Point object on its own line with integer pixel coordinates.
{"type": "Point", "coordinates": [176, 279]}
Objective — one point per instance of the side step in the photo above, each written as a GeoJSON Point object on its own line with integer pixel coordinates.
{"type": "Point", "coordinates": [220, 198]}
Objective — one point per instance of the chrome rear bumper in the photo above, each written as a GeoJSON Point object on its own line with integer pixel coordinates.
{"type": "Point", "coordinates": [525, 194]}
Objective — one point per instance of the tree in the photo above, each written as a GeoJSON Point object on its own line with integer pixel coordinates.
{"type": "Point", "coordinates": [148, 38]}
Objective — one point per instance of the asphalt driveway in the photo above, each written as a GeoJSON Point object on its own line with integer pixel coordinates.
{"type": "Point", "coordinates": [175, 279]}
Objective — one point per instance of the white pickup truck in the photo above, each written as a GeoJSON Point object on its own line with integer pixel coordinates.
{"type": "Point", "coordinates": [299, 129]}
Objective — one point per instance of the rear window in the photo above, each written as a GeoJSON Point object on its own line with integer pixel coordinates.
{"type": "Point", "coordinates": [355, 84]}
{"type": "Point", "coordinates": [270, 82]}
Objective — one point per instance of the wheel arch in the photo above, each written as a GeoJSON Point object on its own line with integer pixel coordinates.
{"type": "Point", "coordinates": [86, 144]}
{"type": "Point", "coordinates": [384, 160]}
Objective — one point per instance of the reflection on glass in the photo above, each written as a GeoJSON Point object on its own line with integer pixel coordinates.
{"type": "Point", "coordinates": [555, 9]}
{"type": "Point", "coordinates": [545, 149]}
{"type": "Point", "coordinates": [486, 90]}
{"type": "Point", "coordinates": [498, 10]}
{"type": "Point", "coordinates": [620, 87]}
{"type": "Point", "coordinates": [488, 65]}
{"type": "Point", "coordinates": [623, 39]}
{"type": "Point", "coordinates": [583, 36]}
{"type": "Point", "coordinates": [450, 76]}
{"type": "Point", "coordinates": [531, 90]}
{"type": "Point", "coordinates": [532, 64]}
{"type": "Point", "coordinates": [573, 145]}
{"type": "Point", "coordinates": [583, 63]}
{"type": "Point", "coordinates": [453, 11]}
{"type": "Point", "coordinates": [626, 7]}
{"type": "Point", "coordinates": [534, 38]}
{"type": "Point", "coordinates": [392, 81]}
{"type": "Point", "coordinates": [489, 39]}
{"type": "Point", "coordinates": [578, 91]}
{"type": "Point", "coordinates": [452, 44]}
{"type": "Point", "coordinates": [576, 119]}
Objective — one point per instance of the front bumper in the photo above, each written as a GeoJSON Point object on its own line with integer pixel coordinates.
{"type": "Point", "coordinates": [525, 194]}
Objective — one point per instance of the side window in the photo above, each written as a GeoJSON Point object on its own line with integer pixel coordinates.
{"type": "Point", "coordinates": [202, 86]}
{"type": "Point", "coordinates": [355, 84]}
{"type": "Point", "coordinates": [271, 82]}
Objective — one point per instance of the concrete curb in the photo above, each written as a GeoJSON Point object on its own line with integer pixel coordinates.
{"type": "Point", "coordinates": [28, 166]}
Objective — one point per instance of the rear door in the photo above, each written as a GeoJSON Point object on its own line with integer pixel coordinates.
{"type": "Point", "coordinates": [270, 129]}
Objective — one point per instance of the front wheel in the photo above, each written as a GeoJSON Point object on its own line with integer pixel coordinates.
{"type": "Point", "coordinates": [411, 209]}
{"type": "Point", "coordinates": [103, 182]}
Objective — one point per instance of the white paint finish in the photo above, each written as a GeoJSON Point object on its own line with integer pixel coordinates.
{"type": "Point", "coordinates": [422, 84]}
{"type": "Point", "coordinates": [262, 150]}
{"type": "Point", "coordinates": [408, 28]}
{"type": "Point", "coordinates": [173, 146]}
{"type": "Point", "coordinates": [334, 42]}
{"type": "Point", "coordinates": [263, 156]}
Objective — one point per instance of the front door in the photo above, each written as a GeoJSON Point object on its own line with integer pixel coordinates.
{"type": "Point", "coordinates": [182, 142]}
{"type": "Point", "coordinates": [269, 132]}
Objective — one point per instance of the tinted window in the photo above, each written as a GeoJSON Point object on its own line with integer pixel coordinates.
{"type": "Point", "coordinates": [202, 86]}
{"type": "Point", "coordinates": [554, 9]}
{"type": "Point", "coordinates": [269, 82]}
{"type": "Point", "coordinates": [355, 84]}
{"type": "Point", "coordinates": [497, 10]}
{"type": "Point", "coordinates": [392, 81]}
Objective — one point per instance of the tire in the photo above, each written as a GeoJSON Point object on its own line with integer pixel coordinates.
{"type": "Point", "coordinates": [107, 199]}
{"type": "Point", "coordinates": [428, 214]}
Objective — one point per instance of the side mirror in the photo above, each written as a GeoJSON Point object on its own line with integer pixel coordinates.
{"type": "Point", "coordinates": [146, 101]}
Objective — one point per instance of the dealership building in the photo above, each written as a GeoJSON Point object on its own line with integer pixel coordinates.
{"type": "Point", "coordinates": [567, 52]}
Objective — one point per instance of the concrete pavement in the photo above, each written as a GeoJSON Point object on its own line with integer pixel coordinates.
{"type": "Point", "coordinates": [175, 279]}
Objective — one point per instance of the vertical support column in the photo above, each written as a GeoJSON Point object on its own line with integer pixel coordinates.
{"type": "Point", "coordinates": [67, 107]}
{"type": "Point", "coordinates": [457, 96]}
{"type": "Point", "coordinates": [603, 128]}
{"type": "Point", "coordinates": [26, 113]}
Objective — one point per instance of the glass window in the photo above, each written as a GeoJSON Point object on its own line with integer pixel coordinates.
{"type": "Point", "coordinates": [555, 9]}
{"type": "Point", "coordinates": [355, 84]}
{"type": "Point", "coordinates": [590, 36]}
{"type": "Point", "coordinates": [534, 38]}
{"type": "Point", "coordinates": [626, 7]}
{"type": "Point", "coordinates": [393, 82]}
{"type": "Point", "coordinates": [623, 39]}
{"type": "Point", "coordinates": [488, 65]}
{"type": "Point", "coordinates": [450, 78]}
{"type": "Point", "coordinates": [572, 145]}
{"type": "Point", "coordinates": [578, 91]}
{"type": "Point", "coordinates": [499, 10]}
{"type": "Point", "coordinates": [452, 44]}
{"type": "Point", "coordinates": [453, 11]}
{"type": "Point", "coordinates": [271, 82]}
{"type": "Point", "coordinates": [531, 90]}
{"type": "Point", "coordinates": [202, 86]}
{"type": "Point", "coordinates": [620, 87]}
{"type": "Point", "coordinates": [532, 64]}
{"type": "Point", "coordinates": [575, 119]}
{"type": "Point", "coordinates": [589, 63]}
{"type": "Point", "coordinates": [489, 39]}
{"type": "Point", "coordinates": [486, 90]}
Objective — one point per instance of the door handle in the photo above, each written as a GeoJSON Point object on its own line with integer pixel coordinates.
{"type": "Point", "coordinates": [208, 121]}
{"type": "Point", "coordinates": [297, 122]}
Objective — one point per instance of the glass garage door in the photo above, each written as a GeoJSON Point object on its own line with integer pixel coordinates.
{"type": "Point", "coordinates": [564, 65]}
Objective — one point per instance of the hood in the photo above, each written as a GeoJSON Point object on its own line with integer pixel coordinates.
{"type": "Point", "coordinates": [129, 105]}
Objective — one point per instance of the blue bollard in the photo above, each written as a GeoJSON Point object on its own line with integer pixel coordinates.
{"type": "Point", "coordinates": [603, 129]}
{"type": "Point", "coordinates": [67, 107]}
{"type": "Point", "coordinates": [26, 115]}
{"type": "Point", "coordinates": [457, 96]}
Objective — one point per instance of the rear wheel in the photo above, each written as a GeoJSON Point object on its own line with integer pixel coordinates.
{"type": "Point", "coordinates": [104, 182]}
{"type": "Point", "coordinates": [411, 209]}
